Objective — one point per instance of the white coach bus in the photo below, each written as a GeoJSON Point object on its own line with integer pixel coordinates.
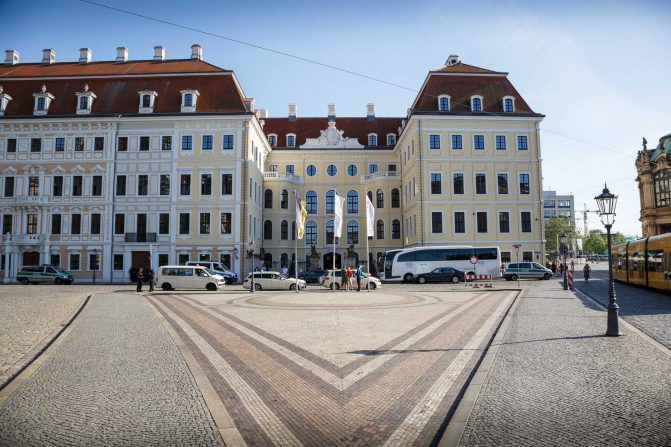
{"type": "Point", "coordinates": [404, 265]}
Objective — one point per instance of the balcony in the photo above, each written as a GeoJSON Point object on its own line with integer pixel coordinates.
{"type": "Point", "coordinates": [140, 237]}
{"type": "Point", "coordinates": [381, 175]}
{"type": "Point", "coordinates": [28, 239]}
{"type": "Point", "coordinates": [282, 176]}
{"type": "Point", "coordinates": [31, 200]}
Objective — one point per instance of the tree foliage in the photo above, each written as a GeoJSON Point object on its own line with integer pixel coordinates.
{"type": "Point", "coordinates": [595, 242]}
{"type": "Point", "coordinates": [558, 225]}
{"type": "Point", "coordinates": [618, 238]}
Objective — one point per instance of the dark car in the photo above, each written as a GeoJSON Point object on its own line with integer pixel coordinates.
{"type": "Point", "coordinates": [312, 275]}
{"type": "Point", "coordinates": [441, 274]}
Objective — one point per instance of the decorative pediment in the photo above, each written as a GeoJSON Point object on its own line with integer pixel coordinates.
{"type": "Point", "coordinates": [98, 170]}
{"type": "Point", "coordinates": [77, 170]}
{"type": "Point", "coordinates": [331, 138]}
{"type": "Point", "coordinates": [661, 164]}
{"type": "Point", "coordinates": [58, 170]}
{"type": "Point", "coordinates": [9, 171]}
{"type": "Point", "coordinates": [96, 209]}
{"type": "Point", "coordinates": [75, 209]}
{"type": "Point", "coordinates": [33, 169]}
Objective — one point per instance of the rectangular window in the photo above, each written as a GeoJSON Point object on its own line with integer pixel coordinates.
{"type": "Point", "coordinates": [206, 143]}
{"type": "Point", "coordinates": [524, 184]}
{"type": "Point", "coordinates": [372, 140]}
{"type": "Point", "coordinates": [11, 144]}
{"type": "Point", "coordinates": [33, 185]}
{"type": "Point", "coordinates": [549, 213]}
{"type": "Point", "coordinates": [436, 222]}
{"type": "Point", "coordinates": [31, 224]}
{"type": "Point", "coordinates": [79, 144]}
{"type": "Point", "coordinates": [9, 186]}
{"type": "Point", "coordinates": [226, 184]}
{"type": "Point", "coordinates": [502, 181]}
{"type": "Point", "coordinates": [204, 223]}
{"type": "Point", "coordinates": [36, 145]}
{"type": "Point", "coordinates": [505, 257]}
{"type": "Point", "coordinates": [56, 220]}
{"type": "Point", "coordinates": [74, 261]}
{"type": "Point", "coordinates": [142, 185]}
{"type": "Point", "coordinates": [97, 185]}
{"type": "Point", "coordinates": [58, 186]}
{"type": "Point", "coordinates": [163, 259]}
{"type": "Point", "coordinates": [549, 203]}
{"type": "Point", "coordinates": [122, 144]}
{"type": "Point", "coordinates": [120, 185]}
{"type": "Point", "coordinates": [59, 146]}
{"type": "Point", "coordinates": [459, 222]}
{"type": "Point", "coordinates": [527, 256]}
{"type": "Point", "coordinates": [526, 222]}
{"type": "Point", "coordinates": [228, 141]}
{"type": "Point", "coordinates": [184, 223]}
{"type": "Point", "coordinates": [98, 143]}
{"type": "Point", "coordinates": [7, 223]}
{"type": "Point", "coordinates": [144, 143]}
{"type": "Point", "coordinates": [182, 258]}
{"type": "Point", "coordinates": [478, 142]}
{"type": "Point", "coordinates": [206, 184]}
{"type": "Point", "coordinates": [185, 184]}
{"type": "Point", "coordinates": [500, 142]}
{"type": "Point", "coordinates": [564, 204]}
{"type": "Point", "coordinates": [226, 223]}
{"type": "Point", "coordinates": [187, 142]}
{"type": "Point", "coordinates": [458, 183]}
{"type": "Point", "coordinates": [119, 223]}
{"type": "Point", "coordinates": [291, 140]}
{"type": "Point", "coordinates": [164, 189]}
{"type": "Point", "coordinates": [522, 144]}
{"type": "Point", "coordinates": [94, 261]}
{"type": "Point", "coordinates": [372, 168]}
{"type": "Point", "coordinates": [481, 183]}
{"type": "Point", "coordinates": [118, 262]}
{"type": "Point", "coordinates": [436, 184]}
{"type": "Point", "coordinates": [76, 224]}
{"type": "Point", "coordinates": [504, 222]}
{"type": "Point", "coordinates": [481, 219]}
{"type": "Point", "coordinates": [95, 223]}
{"type": "Point", "coordinates": [391, 168]}
{"type": "Point", "coordinates": [457, 142]}
{"type": "Point", "coordinates": [289, 169]}
{"type": "Point", "coordinates": [166, 143]}
{"type": "Point", "coordinates": [434, 141]}
{"type": "Point", "coordinates": [163, 223]}
{"type": "Point", "coordinates": [55, 260]}
{"type": "Point", "coordinates": [77, 182]}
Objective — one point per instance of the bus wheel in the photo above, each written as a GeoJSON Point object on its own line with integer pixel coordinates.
{"type": "Point", "coordinates": [408, 277]}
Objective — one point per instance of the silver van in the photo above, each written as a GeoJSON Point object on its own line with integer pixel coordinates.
{"type": "Point", "coordinates": [44, 273]}
{"type": "Point", "coordinates": [523, 270]}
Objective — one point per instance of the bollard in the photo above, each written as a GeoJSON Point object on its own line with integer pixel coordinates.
{"type": "Point", "coordinates": [570, 279]}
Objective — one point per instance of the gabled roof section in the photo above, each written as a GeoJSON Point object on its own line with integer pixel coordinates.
{"type": "Point", "coordinates": [460, 67]}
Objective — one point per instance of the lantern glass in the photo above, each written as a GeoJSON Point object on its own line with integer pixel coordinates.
{"type": "Point", "coordinates": [606, 201]}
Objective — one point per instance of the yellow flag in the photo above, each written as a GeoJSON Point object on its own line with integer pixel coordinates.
{"type": "Point", "coordinates": [301, 213]}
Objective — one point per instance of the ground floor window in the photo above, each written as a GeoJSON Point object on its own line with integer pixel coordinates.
{"type": "Point", "coordinates": [163, 259]}
{"type": "Point", "coordinates": [118, 262]}
{"type": "Point", "coordinates": [2, 262]}
{"type": "Point", "coordinates": [74, 261]}
{"type": "Point", "coordinates": [94, 261]}
{"type": "Point", "coordinates": [55, 260]}
{"type": "Point", "coordinates": [182, 259]}
{"type": "Point", "coordinates": [225, 259]}
{"type": "Point", "coordinates": [505, 256]}
{"type": "Point", "coordinates": [527, 256]}
{"type": "Point", "coordinates": [204, 257]}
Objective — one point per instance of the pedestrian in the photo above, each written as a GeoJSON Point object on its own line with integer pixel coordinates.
{"type": "Point", "coordinates": [349, 278]}
{"type": "Point", "coordinates": [150, 278]}
{"type": "Point", "coordinates": [132, 272]}
{"type": "Point", "coordinates": [343, 278]}
{"type": "Point", "coordinates": [572, 265]}
{"type": "Point", "coordinates": [359, 275]}
{"type": "Point", "coordinates": [139, 277]}
{"type": "Point", "coordinates": [553, 267]}
{"type": "Point", "coordinates": [586, 271]}
{"type": "Point", "coordinates": [561, 269]}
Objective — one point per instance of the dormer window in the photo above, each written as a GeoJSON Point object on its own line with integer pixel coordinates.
{"type": "Point", "coordinates": [508, 104]}
{"type": "Point", "coordinates": [444, 103]}
{"type": "Point", "coordinates": [42, 101]}
{"type": "Point", "coordinates": [147, 98]}
{"type": "Point", "coordinates": [189, 99]}
{"type": "Point", "coordinates": [372, 139]}
{"type": "Point", "coordinates": [4, 100]}
{"type": "Point", "coordinates": [391, 139]}
{"type": "Point", "coordinates": [476, 103]}
{"type": "Point", "coordinates": [291, 140]}
{"type": "Point", "coordinates": [85, 101]}
{"type": "Point", "coordinates": [272, 140]}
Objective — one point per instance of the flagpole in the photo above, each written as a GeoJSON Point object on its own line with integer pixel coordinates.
{"type": "Point", "coordinates": [367, 255]}
{"type": "Point", "coordinates": [296, 242]}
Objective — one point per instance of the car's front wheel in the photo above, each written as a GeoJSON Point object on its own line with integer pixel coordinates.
{"type": "Point", "coordinates": [24, 281]}
{"type": "Point", "coordinates": [211, 286]}
{"type": "Point", "coordinates": [58, 281]}
{"type": "Point", "coordinates": [513, 277]}
{"type": "Point", "coordinates": [373, 286]}
{"type": "Point", "coordinates": [455, 279]}
{"type": "Point", "coordinates": [421, 280]}
{"type": "Point", "coordinates": [547, 276]}
{"type": "Point", "coordinates": [257, 287]}
{"type": "Point", "coordinates": [292, 287]}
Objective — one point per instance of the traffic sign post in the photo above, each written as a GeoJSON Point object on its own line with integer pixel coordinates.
{"type": "Point", "coordinates": [474, 261]}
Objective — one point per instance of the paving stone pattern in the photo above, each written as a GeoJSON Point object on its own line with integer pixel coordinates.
{"type": "Point", "coordinates": [557, 381]}
{"type": "Point", "coordinates": [117, 379]}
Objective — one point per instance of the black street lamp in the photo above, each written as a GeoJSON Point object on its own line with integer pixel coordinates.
{"type": "Point", "coordinates": [606, 201]}
{"type": "Point", "coordinates": [251, 253]}
{"type": "Point", "coordinates": [94, 252]}
{"type": "Point", "coordinates": [563, 248]}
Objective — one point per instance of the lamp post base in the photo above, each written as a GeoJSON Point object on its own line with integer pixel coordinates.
{"type": "Point", "coordinates": [613, 329]}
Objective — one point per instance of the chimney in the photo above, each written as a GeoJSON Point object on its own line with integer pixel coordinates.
{"type": "Point", "coordinates": [85, 55]}
{"type": "Point", "coordinates": [159, 53]}
{"type": "Point", "coordinates": [11, 57]}
{"type": "Point", "coordinates": [249, 103]}
{"type": "Point", "coordinates": [452, 59]}
{"type": "Point", "coordinates": [196, 52]}
{"type": "Point", "coordinates": [370, 111]}
{"type": "Point", "coordinates": [332, 115]}
{"type": "Point", "coordinates": [292, 112]}
{"type": "Point", "coordinates": [48, 56]}
{"type": "Point", "coordinates": [121, 54]}
{"type": "Point", "coordinates": [262, 113]}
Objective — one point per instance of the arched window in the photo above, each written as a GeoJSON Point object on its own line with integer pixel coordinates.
{"type": "Point", "coordinates": [330, 201]}
{"type": "Point", "coordinates": [329, 232]}
{"type": "Point", "coordinates": [352, 202]}
{"type": "Point", "coordinates": [272, 140]}
{"type": "Point", "coordinates": [395, 198]}
{"type": "Point", "coordinates": [311, 233]}
{"type": "Point", "coordinates": [380, 198]}
{"type": "Point", "coordinates": [379, 227]}
{"type": "Point", "coordinates": [444, 103]}
{"type": "Point", "coordinates": [146, 101]}
{"type": "Point", "coordinates": [284, 260]}
{"type": "Point", "coordinates": [284, 230]}
{"type": "Point", "coordinates": [391, 139]}
{"type": "Point", "coordinates": [284, 199]}
{"type": "Point", "coordinates": [395, 229]}
{"type": "Point", "coordinates": [311, 202]}
{"type": "Point", "coordinates": [268, 198]}
{"type": "Point", "coordinates": [268, 260]}
{"type": "Point", "coordinates": [372, 139]}
{"type": "Point", "coordinates": [476, 103]}
{"type": "Point", "coordinates": [267, 230]}
{"type": "Point", "coordinates": [352, 232]}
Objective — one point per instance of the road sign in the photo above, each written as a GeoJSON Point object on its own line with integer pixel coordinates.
{"type": "Point", "coordinates": [474, 260]}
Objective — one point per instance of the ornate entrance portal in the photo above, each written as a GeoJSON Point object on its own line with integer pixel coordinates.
{"type": "Point", "coordinates": [31, 258]}
{"type": "Point", "coordinates": [328, 261]}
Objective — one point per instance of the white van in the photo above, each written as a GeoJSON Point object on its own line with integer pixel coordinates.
{"type": "Point", "coordinates": [187, 277]}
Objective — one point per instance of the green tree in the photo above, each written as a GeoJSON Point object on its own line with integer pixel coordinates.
{"type": "Point", "coordinates": [618, 238]}
{"type": "Point", "coordinates": [595, 242]}
{"type": "Point", "coordinates": [558, 225]}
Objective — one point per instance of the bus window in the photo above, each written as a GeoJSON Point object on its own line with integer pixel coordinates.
{"type": "Point", "coordinates": [407, 257]}
{"type": "Point", "coordinates": [485, 253]}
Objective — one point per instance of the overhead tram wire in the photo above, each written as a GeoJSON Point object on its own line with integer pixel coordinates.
{"type": "Point", "coordinates": [314, 62]}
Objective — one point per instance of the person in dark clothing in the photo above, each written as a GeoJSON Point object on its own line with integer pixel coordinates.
{"type": "Point", "coordinates": [359, 274]}
{"type": "Point", "coordinates": [150, 278]}
{"type": "Point", "coordinates": [132, 272]}
{"type": "Point", "coordinates": [139, 277]}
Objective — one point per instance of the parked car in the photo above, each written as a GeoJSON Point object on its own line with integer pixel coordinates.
{"type": "Point", "coordinates": [375, 283]}
{"type": "Point", "coordinates": [217, 268]}
{"type": "Point", "coordinates": [272, 281]}
{"type": "Point", "coordinates": [172, 277]}
{"type": "Point", "coordinates": [44, 273]}
{"type": "Point", "coordinates": [524, 270]}
{"type": "Point", "coordinates": [312, 275]}
{"type": "Point", "coordinates": [441, 274]}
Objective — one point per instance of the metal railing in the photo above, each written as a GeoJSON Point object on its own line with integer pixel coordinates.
{"type": "Point", "coordinates": [31, 200]}
{"type": "Point", "coordinates": [381, 175]}
{"type": "Point", "coordinates": [276, 175]}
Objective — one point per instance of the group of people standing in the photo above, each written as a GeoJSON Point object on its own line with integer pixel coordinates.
{"type": "Point", "coordinates": [347, 276]}
{"type": "Point", "coordinates": [139, 275]}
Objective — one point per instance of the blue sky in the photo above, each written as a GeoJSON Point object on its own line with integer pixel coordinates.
{"type": "Point", "coordinates": [597, 70]}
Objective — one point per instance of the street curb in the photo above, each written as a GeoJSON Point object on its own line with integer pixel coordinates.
{"type": "Point", "coordinates": [457, 424]}
{"type": "Point", "coordinates": [40, 355]}
{"type": "Point", "coordinates": [227, 429]}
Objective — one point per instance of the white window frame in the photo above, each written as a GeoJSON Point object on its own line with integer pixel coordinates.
{"type": "Point", "coordinates": [181, 143]}
{"type": "Point", "coordinates": [517, 143]}
{"type": "Point", "coordinates": [152, 96]}
{"type": "Point", "coordinates": [368, 140]}
{"type": "Point", "coordinates": [80, 261]}
{"type": "Point", "coordinates": [475, 183]}
{"type": "Point", "coordinates": [449, 103]}
{"type": "Point", "coordinates": [497, 183]}
{"type": "Point", "coordinates": [179, 233]}
{"type": "Point", "coordinates": [4, 100]}
{"type": "Point", "coordinates": [392, 135]}
{"type": "Point", "coordinates": [202, 141]}
{"type": "Point", "coordinates": [272, 135]}
{"type": "Point", "coordinates": [498, 221]}
{"type": "Point", "coordinates": [192, 108]}
{"type": "Point", "coordinates": [441, 182]}
{"type": "Point", "coordinates": [287, 139]}
{"type": "Point", "coordinates": [463, 176]}
{"type": "Point", "coordinates": [90, 96]}
{"type": "Point", "coordinates": [48, 97]}
{"type": "Point", "coordinates": [503, 103]}
{"type": "Point", "coordinates": [454, 221]}
{"type": "Point", "coordinates": [519, 190]}
{"type": "Point", "coordinates": [462, 141]}
{"type": "Point", "coordinates": [484, 141]}
{"type": "Point", "coordinates": [442, 221]}
{"type": "Point", "coordinates": [475, 221]}
{"type": "Point", "coordinates": [440, 142]}
{"type": "Point", "coordinates": [531, 220]}
{"type": "Point", "coordinates": [482, 107]}
{"type": "Point", "coordinates": [505, 140]}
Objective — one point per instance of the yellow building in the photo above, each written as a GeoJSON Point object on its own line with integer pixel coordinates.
{"type": "Point", "coordinates": [654, 185]}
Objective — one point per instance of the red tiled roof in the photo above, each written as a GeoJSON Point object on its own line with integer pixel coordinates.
{"type": "Point", "coordinates": [358, 128]}
{"type": "Point", "coordinates": [111, 68]}
{"type": "Point", "coordinates": [465, 68]}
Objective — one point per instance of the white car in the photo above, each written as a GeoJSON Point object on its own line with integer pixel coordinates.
{"type": "Point", "coordinates": [272, 281]}
{"type": "Point", "coordinates": [375, 283]}
{"type": "Point", "coordinates": [172, 277]}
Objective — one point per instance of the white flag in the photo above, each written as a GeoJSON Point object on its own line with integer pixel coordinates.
{"type": "Point", "coordinates": [337, 222]}
{"type": "Point", "coordinates": [370, 217]}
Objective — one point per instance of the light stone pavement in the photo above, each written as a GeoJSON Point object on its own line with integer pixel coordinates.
{"type": "Point", "coordinates": [116, 379]}
{"type": "Point", "coordinates": [557, 380]}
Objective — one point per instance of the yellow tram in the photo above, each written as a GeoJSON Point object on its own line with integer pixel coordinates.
{"type": "Point", "coordinates": [645, 262]}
